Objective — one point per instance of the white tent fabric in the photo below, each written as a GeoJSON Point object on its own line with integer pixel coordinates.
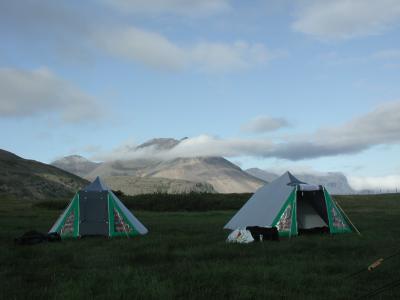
{"type": "Point", "coordinates": [132, 219]}
{"type": "Point", "coordinates": [264, 205]}
{"type": "Point", "coordinates": [241, 236]}
{"type": "Point", "coordinates": [309, 187]}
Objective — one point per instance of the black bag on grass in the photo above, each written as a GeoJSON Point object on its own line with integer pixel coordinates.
{"type": "Point", "coordinates": [34, 237]}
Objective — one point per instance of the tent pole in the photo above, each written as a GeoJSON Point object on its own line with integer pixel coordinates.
{"type": "Point", "coordinates": [348, 219]}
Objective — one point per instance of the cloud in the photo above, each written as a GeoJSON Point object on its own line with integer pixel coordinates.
{"type": "Point", "coordinates": [263, 124]}
{"type": "Point", "coordinates": [74, 33]}
{"type": "Point", "coordinates": [203, 145]}
{"type": "Point", "coordinates": [38, 17]}
{"type": "Point", "coordinates": [383, 183]}
{"type": "Point", "coordinates": [217, 57]}
{"type": "Point", "coordinates": [190, 8]}
{"type": "Point", "coordinates": [389, 54]}
{"type": "Point", "coordinates": [143, 46]}
{"type": "Point", "coordinates": [379, 127]}
{"type": "Point", "coordinates": [345, 19]}
{"type": "Point", "coordinates": [26, 93]}
{"type": "Point", "coordinates": [154, 50]}
{"type": "Point", "coordinates": [58, 26]}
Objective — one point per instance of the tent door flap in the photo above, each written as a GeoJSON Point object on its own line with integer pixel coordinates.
{"type": "Point", "coordinates": [93, 213]}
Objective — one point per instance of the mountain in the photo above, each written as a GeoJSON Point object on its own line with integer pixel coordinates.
{"type": "Point", "coordinates": [221, 174]}
{"type": "Point", "coordinates": [335, 182]}
{"type": "Point", "coordinates": [75, 164]}
{"type": "Point", "coordinates": [134, 167]}
{"type": "Point", "coordinates": [224, 176]}
{"type": "Point", "coordinates": [131, 185]}
{"type": "Point", "coordinates": [29, 179]}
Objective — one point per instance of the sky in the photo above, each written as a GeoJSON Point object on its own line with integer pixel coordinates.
{"type": "Point", "coordinates": [308, 86]}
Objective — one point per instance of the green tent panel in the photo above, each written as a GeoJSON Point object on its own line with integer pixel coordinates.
{"type": "Point", "coordinates": [96, 210]}
{"type": "Point", "coordinates": [292, 206]}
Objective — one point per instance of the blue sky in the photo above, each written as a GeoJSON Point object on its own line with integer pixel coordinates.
{"type": "Point", "coordinates": [300, 85]}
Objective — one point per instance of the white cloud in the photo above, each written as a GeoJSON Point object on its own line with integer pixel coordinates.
{"type": "Point", "coordinates": [263, 124]}
{"type": "Point", "coordinates": [39, 92]}
{"type": "Point", "coordinates": [144, 46]}
{"type": "Point", "coordinates": [191, 8]}
{"type": "Point", "coordinates": [379, 127]}
{"type": "Point", "coordinates": [203, 145]}
{"type": "Point", "coordinates": [383, 183]}
{"type": "Point", "coordinates": [155, 50]}
{"type": "Point", "coordinates": [344, 19]}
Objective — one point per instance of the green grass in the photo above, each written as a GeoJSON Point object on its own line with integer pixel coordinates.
{"type": "Point", "coordinates": [185, 256]}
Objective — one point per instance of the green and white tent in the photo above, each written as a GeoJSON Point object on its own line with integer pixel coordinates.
{"type": "Point", "coordinates": [96, 210]}
{"type": "Point", "coordinates": [293, 207]}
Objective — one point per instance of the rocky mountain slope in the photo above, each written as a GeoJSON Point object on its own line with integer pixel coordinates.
{"type": "Point", "coordinates": [335, 182]}
{"type": "Point", "coordinates": [223, 175]}
{"type": "Point", "coordinates": [29, 179]}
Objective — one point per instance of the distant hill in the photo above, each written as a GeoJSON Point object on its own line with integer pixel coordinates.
{"type": "Point", "coordinates": [76, 164]}
{"type": "Point", "coordinates": [221, 174]}
{"type": "Point", "coordinates": [29, 179]}
{"type": "Point", "coordinates": [335, 182]}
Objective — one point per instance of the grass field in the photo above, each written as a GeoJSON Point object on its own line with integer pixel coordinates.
{"type": "Point", "coordinates": [185, 256]}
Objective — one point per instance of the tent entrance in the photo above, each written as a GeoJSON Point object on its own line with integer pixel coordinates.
{"type": "Point", "coordinates": [311, 212]}
{"type": "Point", "coordinates": [93, 208]}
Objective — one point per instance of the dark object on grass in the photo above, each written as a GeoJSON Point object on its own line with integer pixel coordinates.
{"type": "Point", "coordinates": [263, 233]}
{"type": "Point", "coordinates": [34, 237]}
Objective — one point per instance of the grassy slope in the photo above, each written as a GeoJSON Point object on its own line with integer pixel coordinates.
{"type": "Point", "coordinates": [185, 256]}
{"type": "Point", "coordinates": [29, 179]}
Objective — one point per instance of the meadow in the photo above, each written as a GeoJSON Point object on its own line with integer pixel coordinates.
{"type": "Point", "coordinates": [185, 256]}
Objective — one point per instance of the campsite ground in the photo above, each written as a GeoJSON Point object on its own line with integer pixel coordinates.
{"type": "Point", "coordinates": [185, 256]}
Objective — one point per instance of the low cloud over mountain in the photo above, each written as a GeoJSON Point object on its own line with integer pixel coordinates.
{"type": "Point", "coordinates": [378, 127]}
{"type": "Point", "coordinates": [221, 174]}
